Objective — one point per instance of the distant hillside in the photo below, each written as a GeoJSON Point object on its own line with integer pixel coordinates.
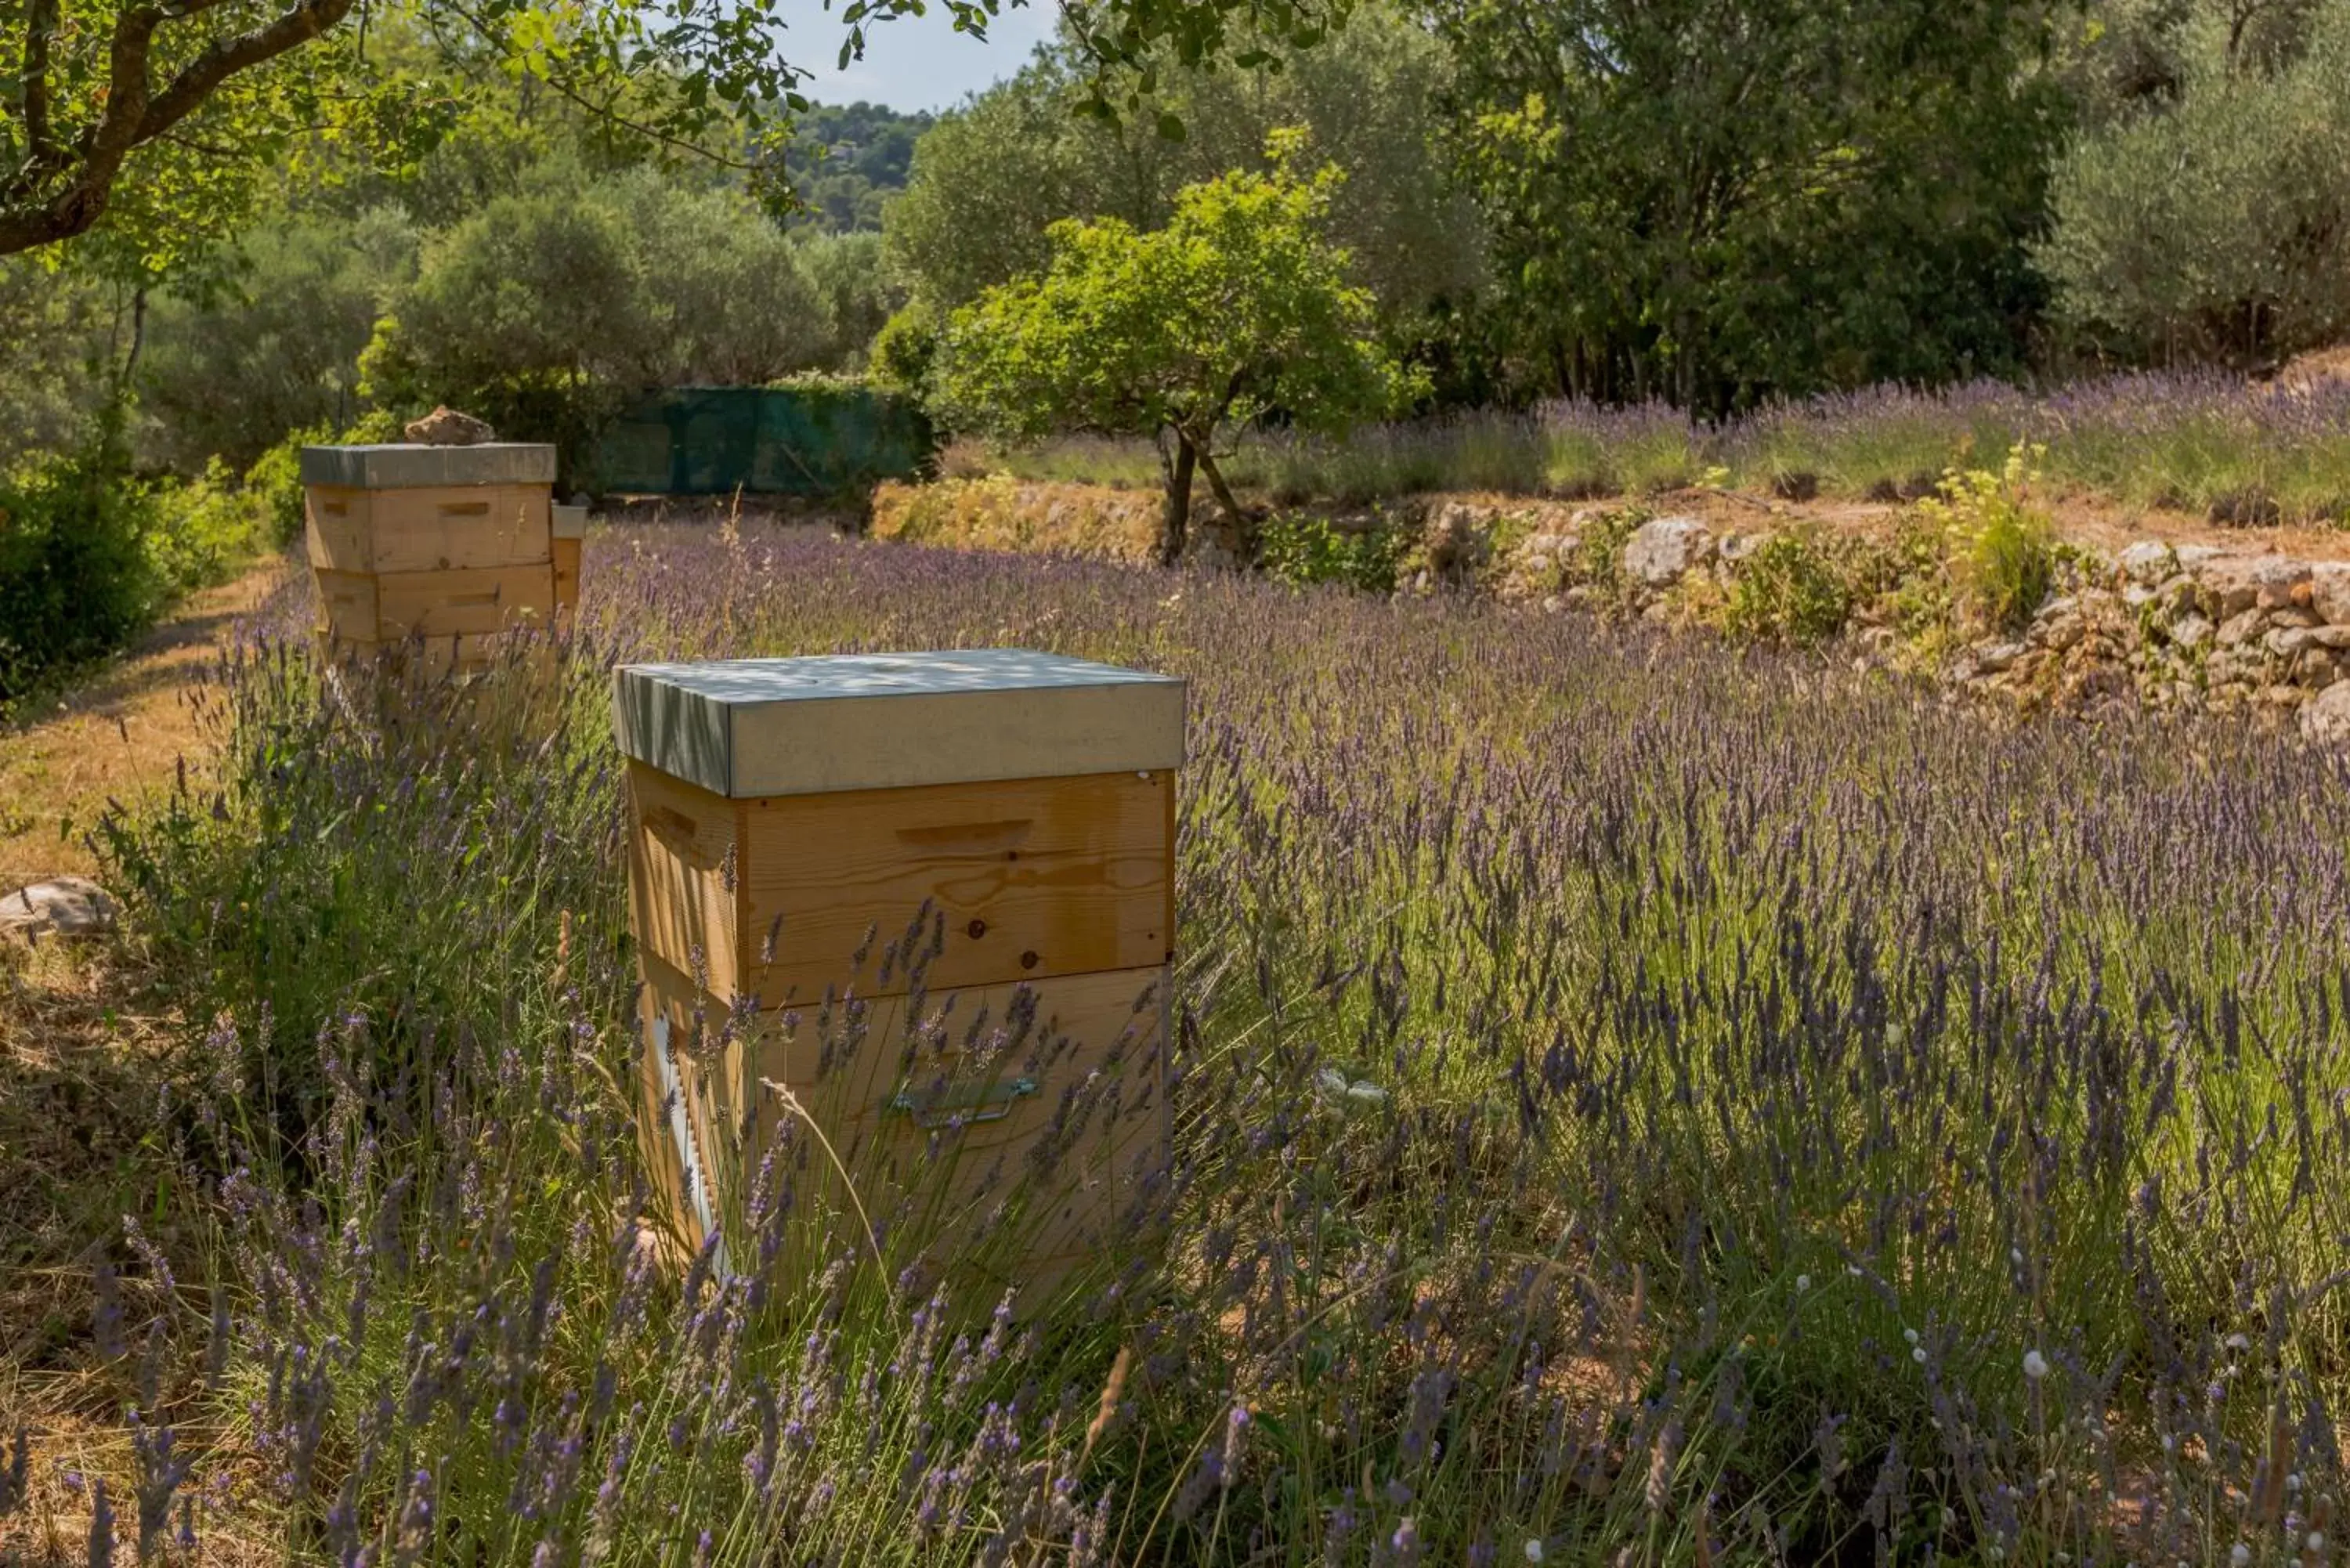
{"type": "Point", "coordinates": [848, 159]}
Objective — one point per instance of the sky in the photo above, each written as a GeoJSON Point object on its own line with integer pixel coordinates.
{"type": "Point", "coordinates": [914, 62]}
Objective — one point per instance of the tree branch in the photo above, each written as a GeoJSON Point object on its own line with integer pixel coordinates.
{"type": "Point", "coordinates": [40, 27]}
{"type": "Point", "coordinates": [219, 61]}
{"type": "Point", "coordinates": [132, 116]}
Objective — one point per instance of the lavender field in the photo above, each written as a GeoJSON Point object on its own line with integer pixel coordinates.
{"type": "Point", "coordinates": [2243, 452]}
{"type": "Point", "coordinates": [1636, 1103]}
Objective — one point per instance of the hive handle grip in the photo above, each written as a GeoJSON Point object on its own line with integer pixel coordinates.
{"type": "Point", "coordinates": [678, 834]}
{"type": "Point", "coordinates": [969, 837]}
{"type": "Point", "coordinates": [986, 1103]}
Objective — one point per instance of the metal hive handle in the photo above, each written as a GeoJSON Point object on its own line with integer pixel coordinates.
{"type": "Point", "coordinates": [986, 1103]}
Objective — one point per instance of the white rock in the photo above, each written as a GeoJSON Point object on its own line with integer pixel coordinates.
{"type": "Point", "coordinates": [1661, 550]}
{"type": "Point", "coordinates": [2331, 636]}
{"type": "Point", "coordinates": [2228, 584]}
{"type": "Point", "coordinates": [2279, 584]}
{"type": "Point", "coordinates": [2329, 588]}
{"type": "Point", "coordinates": [1736, 547]}
{"type": "Point", "coordinates": [1995, 656]}
{"type": "Point", "coordinates": [2191, 631]}
{"type": "Point", "coordinates": [2148, 562]}
{"type": "Point", "coordinates": [2284, 641]}
{"type": "Point", "coordinates": [62, 906]}
{"type": "Point", "coordinates": [2239, 628]}
{"type": "Point", "coordinates": [2325, 718]}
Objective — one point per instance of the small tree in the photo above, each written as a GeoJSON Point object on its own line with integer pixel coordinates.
{"type": "Point", "coordinates": [1237, 310]}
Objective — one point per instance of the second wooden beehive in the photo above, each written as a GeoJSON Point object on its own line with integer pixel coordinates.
{"type": "Point", "coordinates": [443, 550]}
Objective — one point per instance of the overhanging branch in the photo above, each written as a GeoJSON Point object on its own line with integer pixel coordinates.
{"type": "Point", "coordinates": [133, 117]}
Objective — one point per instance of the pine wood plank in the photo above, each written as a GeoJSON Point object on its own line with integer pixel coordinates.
{"type": "Point", "coordinates": [565, 554]}
{"type": "Point", "coordinates": [943, 1144]}
{"type": "Point", "coordinates": [346, 605]}
{"type": "Point", "coordinates": [1033, 879]}
{"type": "Point", "coordinates": [442, 528]}
{"type": "Point", "coordinates": [464, 603]}
{"type": "Point", "coordinates": [683, 842]}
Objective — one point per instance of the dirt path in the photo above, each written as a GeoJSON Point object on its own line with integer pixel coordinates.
{"type": "Point", "coordinates": [122, 730]}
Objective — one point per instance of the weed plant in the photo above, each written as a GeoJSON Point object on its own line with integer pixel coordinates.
{"type": "Point", "coordinates": [1631, 1109]}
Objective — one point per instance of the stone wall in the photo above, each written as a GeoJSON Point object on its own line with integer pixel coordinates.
{"type": "Point", "coordinates": [2183, 627]}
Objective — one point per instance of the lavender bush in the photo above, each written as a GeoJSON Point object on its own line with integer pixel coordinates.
{"type": "Point", "coordinates": [1635, 1103]}
{"type": "Point", "coordinates": [2241, 452]}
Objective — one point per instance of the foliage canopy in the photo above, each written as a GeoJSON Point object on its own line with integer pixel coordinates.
{"type": "Point", "coordinates": [1236, 311]}
{"type": "Point", "coordinates": [1715, 203]}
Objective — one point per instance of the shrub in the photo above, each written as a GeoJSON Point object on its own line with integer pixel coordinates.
{"type": "Point", "coordinates": [1599, 549]}
{"type": "Point", "coordinates": [903, 349]}
{"type": "Point", "coordinates": [1787, 590]}
{"type": "Point", "coordinates": [272, 342]}
{"type": "Point", "coordinates": [2002, 548]}
{"type": "Point", "coordinates": [77, 577]}
{"type": "Point", "coordinates": [202, 528]}
{"type": "Point", "coordinates": [275, 483]}
{"type": "Point", "coordinates": [1302, 551]}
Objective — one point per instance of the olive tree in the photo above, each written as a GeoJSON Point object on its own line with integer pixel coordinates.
{"type": "Point", "coordinates": [1239, 308]}
{"type": "Point", "coordinates": [2212, 219]}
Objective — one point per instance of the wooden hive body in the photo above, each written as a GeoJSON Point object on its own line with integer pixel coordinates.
{"type": "Point", "coordinates": [441, 549]}
{"type": "Point", "coordinates": [994, 833]}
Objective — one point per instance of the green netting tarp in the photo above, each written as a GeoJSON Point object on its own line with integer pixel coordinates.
{"type": "Point", "coordinates": [789, 441]}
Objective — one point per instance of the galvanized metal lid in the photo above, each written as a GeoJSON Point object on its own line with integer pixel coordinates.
{"type": "Point", "coordinates": [751, 727]}
{"type": "Point", "coordinates": [412, 466]}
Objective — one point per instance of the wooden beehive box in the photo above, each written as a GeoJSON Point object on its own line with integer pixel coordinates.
{"type": "Point", "coordinates": [1016, 811]}
{"type": "Point", "coordinates": [442, 548]}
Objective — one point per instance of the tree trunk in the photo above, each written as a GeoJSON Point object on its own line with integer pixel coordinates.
{"type": "Point", "coordinates": [1235, 519]}
{"type": "Point", "coordinates": [1176, 521]}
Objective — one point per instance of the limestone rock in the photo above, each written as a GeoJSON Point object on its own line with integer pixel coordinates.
{"type": "Point", "coordinates": [2241, 628]}
{"type": "Point", "coordinates": [2230, 585]}
{"type": "Point", "coordinates": [2284, 641]}
{"type": "Point", "coordinates": [1663, 549]}
{"type": "Point", "coordinates": [2148, 562]}
{"type": "Point", "coordinates": [2325, 718]}
{"type": "Point", "coordinates": [2190, 630]}
{"type": "Point", "coordinates": [1736, 547]}
{"type": "Point", "coordinates": [444, 426]}
{"type": "Point", "coordinates": [62, 906]}
{"type": "Point", "coordinates": [1998, 656]}
{"type": "Point", "coordinates": [1458, 542]}
{"type": "Point", "coordinates": [2280, 584]}
{"type": "Point", "coordinates": [2329, 584]}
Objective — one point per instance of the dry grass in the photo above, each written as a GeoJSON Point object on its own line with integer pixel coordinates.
{"type": "Point", "coordinates": [85, 1098]}
{"type": "Point", "coordinates": [121, 731]}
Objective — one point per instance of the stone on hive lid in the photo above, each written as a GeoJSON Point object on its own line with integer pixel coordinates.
{"type": "Point", "coordinates": [408, 466]}
{"type": "Point", "coordinates": [444, 426]}
{"type": "Point", "coordinates": [749, 728]}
